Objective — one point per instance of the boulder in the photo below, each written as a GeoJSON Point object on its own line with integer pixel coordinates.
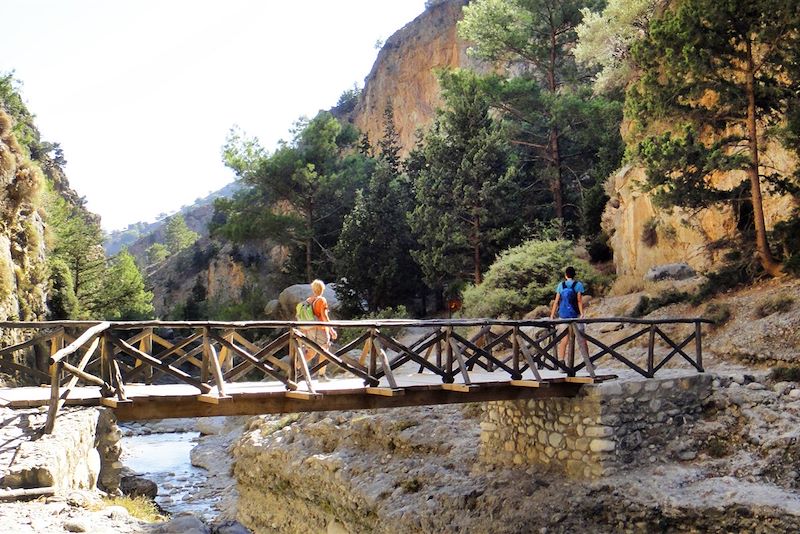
{"type": "Point", "coordinates": [539, 312]}
{"type": "Point", "coordinates": [135, 486]}
{"type": "Point", "coordinates": [273, 309]}
{"type": "Point", "coordinates": [230, 527]}
{"type": "Point", "coordinates": [669, 271]}
{"type": "Point", "coordinates": [292, 295]}
{"type": "Point", "coordinates": [184, 523]}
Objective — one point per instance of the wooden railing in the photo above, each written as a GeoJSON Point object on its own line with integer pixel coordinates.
{"type": "Point", "coordinates": [208, 355]}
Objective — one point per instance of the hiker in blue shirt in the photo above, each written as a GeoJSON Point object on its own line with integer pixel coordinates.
{"type": "Point", "coordinates": [569, 305]}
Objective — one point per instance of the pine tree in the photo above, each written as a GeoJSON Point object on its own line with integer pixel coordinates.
{"type": "Point", "coordinates": [61, 299]}
{"type": "Point", "coordinates": [569, 136]}
{"type": "Point", "coordinates": [374, 248]}
{"type": "Point", "coordinates": [76, 239]}
{"type": "Point", "coordinates": [300, 193]}
{"type": "Point", "coordinates": [465, 189]}
{"type": "Point", "coordinates": [123, 295]}
{"type": "Point", "coordinates": [389, 144]}
{"type": "Point", "coordinates": [717, 72]}
{"type": "Point", "coordinates": [156, 253]}
{"type": "Point", "coordinates": [177, 235]}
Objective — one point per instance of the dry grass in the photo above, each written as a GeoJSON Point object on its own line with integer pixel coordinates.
{"type": "Point", "coordinates": [139, 507]}
{"type": "Point", "coordinates": [625, 285]}
{"type": "Point", "coordinates": [778, 304]}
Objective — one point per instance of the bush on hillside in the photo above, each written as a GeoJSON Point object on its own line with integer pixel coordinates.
{"type": "Point", "coordinates": [525, 276]}
{"type": "Point", "coordinates": [648, 305]}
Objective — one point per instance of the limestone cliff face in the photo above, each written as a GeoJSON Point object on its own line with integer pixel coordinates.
{"type": "Point", "coordinates": [404, 73]}
{"type": "Point", "coordinates": [680, 235]}
{"type": "Point", "coordinates": [23, 273]}
{"type": "Point", "coordinates": [217, 275]}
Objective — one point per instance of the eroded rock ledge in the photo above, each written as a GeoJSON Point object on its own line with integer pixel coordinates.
{"type": "Point", "coordinates": [424, 469]}
{"type": "Point", "coordinates": [82, 453]}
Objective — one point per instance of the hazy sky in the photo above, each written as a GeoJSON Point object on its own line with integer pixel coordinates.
{"type": "Point", "coordinates": [141, 94]}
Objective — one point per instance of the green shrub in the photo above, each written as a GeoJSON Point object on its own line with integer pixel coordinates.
{"type": "Point", "coordinates": [649, 233]}
{"type": "Point", "coordinates": [739, 268]}
{"type": "Point", "coordinates": [787, 234]}
{"type": "Point", "coordinates": [718, 313]}
{"type": "Point", "coordinates": [412, 485]}
{"type": "Point", "coordinates": [525, 276]}
{"type": "Point", "coordinates": [717, 448]}
{"type": "Point", "coordinates": [792, 264]}
{"type": "Point", "coordinates": [647, 305]}
{"type": "Point", "coordinates": [779, 304]}
{"type": "Point", "coordinates": [784, 373]}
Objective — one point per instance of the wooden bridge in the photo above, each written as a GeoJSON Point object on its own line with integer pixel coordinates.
{"type": "Point", "coordinates": [157, 369]}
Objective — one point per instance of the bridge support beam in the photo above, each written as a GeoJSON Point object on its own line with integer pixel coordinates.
{"type": "Point", "coordinates": [156, 407]}
{"type": "Point", "coordinates": [605, 427]}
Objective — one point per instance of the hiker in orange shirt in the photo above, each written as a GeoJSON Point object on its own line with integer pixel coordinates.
{"type": "Point", "coordinates": [323, 335]}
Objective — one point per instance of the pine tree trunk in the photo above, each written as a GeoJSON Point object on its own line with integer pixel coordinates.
{"type": "Point", "coordinates": [553, 148]}
{"type": "Point", "coordinates": [555, 184]}
{"type": "Point", "coordinates": [476, 250]}
{"type": "Point", "coordinates": [762, 246]}
{"type": "Point", "coordinates": [309, 240]}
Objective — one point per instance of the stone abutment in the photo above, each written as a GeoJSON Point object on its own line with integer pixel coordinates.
{"type": "Point", "coordinates": [606, 427]}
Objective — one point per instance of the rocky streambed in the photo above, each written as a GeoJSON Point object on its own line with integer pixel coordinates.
{"type": "Point", "coordinates": [184, 464]}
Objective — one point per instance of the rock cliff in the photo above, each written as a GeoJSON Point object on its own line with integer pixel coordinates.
{"type": "Point", "coordinates": [404, 73]}
{"type": "Point", "coordinates": [212, 275]}
{"type": "Point", "coordinates": [23, 272]}
{"type": "Point", "coordinates": [679, 235]}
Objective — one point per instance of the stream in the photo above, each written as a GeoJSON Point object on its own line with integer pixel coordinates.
{"type": "Point", "coordinates": [164, 458]}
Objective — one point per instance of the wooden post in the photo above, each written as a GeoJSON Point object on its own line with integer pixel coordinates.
{"type": "Point", "coordinates": [366, 351]}
{"type": "Point", "coordinates": [55, 372]}
{"type": "Point", "coordinates": [206, 354]}
{"type": "Point", "coordinates": [292, 356]}
{"type": "Point", "coordinates": [438, 350]}
{"type": "Point", "coordinates": [571, 349]}
{"type": "Point", "coordinates": [698, 344]}
{"type": "Point", "coordinates": [448, 351]}
{"type": "Point", "coordinates": [515, 349]}
{"type": "Point", "coordinates": [56, 344]}
{"type": "Point", "coordinates": [651, 351]}
{"type": "Point", "coordinates": [213, 361]}
{"type": "Point", "coordinates": [373, 354]}
{"type": "Point", "coordinates": [226, 355]}
{"type": "Point", "coordinates": [116, 376]}
{"type": "Point", "coordinates": [146, 346]}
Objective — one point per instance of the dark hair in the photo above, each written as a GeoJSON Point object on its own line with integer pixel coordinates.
{"type": "Point", "coordinates": [570, 272]}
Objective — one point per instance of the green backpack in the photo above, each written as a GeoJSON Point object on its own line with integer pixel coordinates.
{"type": "Point", "coordinates": [305, 311]}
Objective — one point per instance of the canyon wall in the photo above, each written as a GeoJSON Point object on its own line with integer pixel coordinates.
{"type": "Point", "coordinates": [23, 272]}
{"type": "Point", "coordinates": [405, 73]}
{"type": "Point", "coordinates": [680, 235]}
{"type": "Point", "coordinates": [217, 273]}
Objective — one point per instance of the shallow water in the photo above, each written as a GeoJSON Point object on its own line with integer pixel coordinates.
{"type": "Point", "coordinates": [164, 459]}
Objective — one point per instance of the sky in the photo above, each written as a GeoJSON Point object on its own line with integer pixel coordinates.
{"type": "Point", "coordinates": [142, 94]}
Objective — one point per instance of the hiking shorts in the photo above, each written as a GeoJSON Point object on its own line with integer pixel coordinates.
{"type": "Point", "coordinates": [319, 334]}
{"type": "Point", "coordinates": [561, 327]}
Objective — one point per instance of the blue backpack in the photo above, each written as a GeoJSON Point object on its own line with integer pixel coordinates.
{"type": "Point", "coordinates": [568, 307]}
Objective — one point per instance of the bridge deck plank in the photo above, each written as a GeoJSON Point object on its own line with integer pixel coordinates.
{"type": "Point", "coordinates": [417, 388]}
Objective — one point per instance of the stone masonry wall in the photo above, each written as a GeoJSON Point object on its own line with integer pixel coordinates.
{"type": "Point", "coordinates": [82, 452]}
{"type": "Point", "coordinates": [605, 427]}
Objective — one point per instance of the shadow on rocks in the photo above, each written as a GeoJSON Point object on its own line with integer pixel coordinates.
{"type": "Point", "coordinates": [187, 523]}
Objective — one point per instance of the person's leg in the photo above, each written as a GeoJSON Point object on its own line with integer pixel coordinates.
{"type": "Point", "coordinates": [562, 345]}
{"type": "Point", "coordinates": [322, 337]}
